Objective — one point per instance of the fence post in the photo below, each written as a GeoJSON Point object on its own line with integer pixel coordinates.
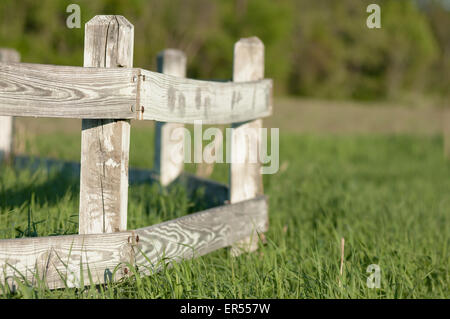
{"type": "Point", "coordinates": [7, 122]}
{"type": "Point", "coordinates": [245, 173]}
{"type": "Point", "coordinates": [105, 143]}
{"type": "Point", "coordinates": [171, 62]}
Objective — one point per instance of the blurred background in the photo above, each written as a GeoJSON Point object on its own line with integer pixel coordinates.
{"type": "Point", "coordinates": [332, 74]}
{"type": "Point", "coordinates": [317, 48]}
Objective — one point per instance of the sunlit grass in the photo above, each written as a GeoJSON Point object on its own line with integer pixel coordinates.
{"type": "Point", "coordinates": [389, 197]}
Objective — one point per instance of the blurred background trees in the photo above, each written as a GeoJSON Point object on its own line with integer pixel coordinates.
{"type": "Point", "coordinates": [317, 48]}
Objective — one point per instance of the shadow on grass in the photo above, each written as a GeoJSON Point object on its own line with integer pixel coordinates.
{"type": "Point", "coordinates": [49, 182]}
{"type": "Point", "coordinates": [48, 189]}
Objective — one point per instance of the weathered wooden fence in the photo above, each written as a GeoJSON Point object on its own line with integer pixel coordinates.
{"type": "Point", "coordinates": [106, 94]}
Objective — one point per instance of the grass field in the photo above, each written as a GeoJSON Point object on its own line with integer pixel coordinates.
{"type": "Point", "coordinates": [387, 195]}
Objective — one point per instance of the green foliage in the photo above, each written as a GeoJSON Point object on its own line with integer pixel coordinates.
{"type": "Point", "coordinates": [386, 195]}
{"type": "Point", "coordinates": [315, 48]}
{"type": "Point", "coordinates": [440, 23]}
{"type": "Point", "coordinates": [336, 55]}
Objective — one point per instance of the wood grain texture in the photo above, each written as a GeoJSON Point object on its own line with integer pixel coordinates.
{"type": "Point", "coordinates": [127, 93]}
{"type": "Point", "coordinates": [167, 143]}
{"type": "Point", "coordinates": [81, 260]}
{"type": "Point", "coordinates": [198, 234]}
{"type": "Point", "coordinates": [65, 261]}
{"type": "Point", "coordinates": [7, 122]}
{"type": "Point", "coordinates": [41, 90]}
{"type": "Point", "coordinates": [171, 99]}
{"type": "Point", "coordinates": [105, 143]}
{"type": "Point", "coordinates": [245, 169]}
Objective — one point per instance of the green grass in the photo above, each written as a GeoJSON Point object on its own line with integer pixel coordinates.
{"type": "Point", "coordinates": [388, 196]}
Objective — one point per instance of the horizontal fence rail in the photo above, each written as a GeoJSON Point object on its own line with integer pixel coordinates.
{"type": "Point", "coordinates": [78, 260]}
{"type": "Point", "coordinates": [200, 233]}
{"type": "Point", "coordinates": [38, 90]}
{"type": "Point", "coordinates": [184, 100]}
{"type": "Point", "coordinates": [68, 92]}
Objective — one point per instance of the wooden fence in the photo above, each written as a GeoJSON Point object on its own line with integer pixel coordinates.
{"type": "Point", "coordinates": [106, 94]}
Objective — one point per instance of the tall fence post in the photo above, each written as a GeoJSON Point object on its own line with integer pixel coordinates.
{"type": "Point", "coordinates": [7, 122]}
{"type": "Point", "coordinates": [171, 62]}
{"type": "Point", "coordinates": [245, 173]}
{"type": "Point", "coordinates": [105, 143]}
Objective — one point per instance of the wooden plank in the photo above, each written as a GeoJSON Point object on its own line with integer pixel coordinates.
{"type": "Point", "coordinates": [167, 98]}
{"type": "Point", "coordinates": [171, 62]}
{"type": "Point", "coordinates": [127, 93]}
{"type": "Point", "coordinates": [41, 90]}
{"type": "Point", "coordinates": [7, 122]}
{"type": "Point", "coordinates": [198, 234]}
{"type": "Point", "coordinates": [245, 169]}
{"type": "Point", "coordinates": [105, 144]}
{"type": "Point", "coordinates": [80, 260]}
{"type": "Point", "coordinates": [65, 261]}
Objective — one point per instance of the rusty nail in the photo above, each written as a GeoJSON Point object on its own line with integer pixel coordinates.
{"type": "Point", "coordinates": [143, 77]}
{"type": "Point", "coordinates": [142, 109]}
{"type": "Point", "coordinates": [132, 108]}
{"type": "Point", "coordinates": [125, 270]}
{"type": "Point", "coordinates": [137, 238]}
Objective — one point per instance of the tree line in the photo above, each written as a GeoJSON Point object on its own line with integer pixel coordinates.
{"type": "Point", "coordinates": [320, 48]}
